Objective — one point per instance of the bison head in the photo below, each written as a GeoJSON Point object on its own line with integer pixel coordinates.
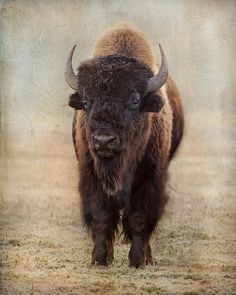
{"type": "Point", "coordinates": [116, 93]}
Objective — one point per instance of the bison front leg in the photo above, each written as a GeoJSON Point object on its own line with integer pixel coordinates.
{"type": "Point", "coordinates": [136, 228]}
{"type": "Point", "coordinates": [99, 231]}
{"type": "Point", "coordinates": [100, 214]}
{"type": "Point", "coordinates": [140, 218]}
{"type": "Point", "coordinates": [103, 226]}
{"type": "Point", "coordinates": [140, 250]}
{"type": "Point", "coordinates": [140, 253]}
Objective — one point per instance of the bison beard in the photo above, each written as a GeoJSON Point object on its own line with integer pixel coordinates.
{"type": "Point", "coordinates": [111, 174]}
{"type": "Point", "coordinates": [133, 180]}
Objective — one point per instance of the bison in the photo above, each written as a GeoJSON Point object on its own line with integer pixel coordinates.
{"type": "Point", "coordinates": [127, 126]}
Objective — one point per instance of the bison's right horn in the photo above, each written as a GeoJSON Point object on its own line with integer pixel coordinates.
{"type": "Point", "coordinates": [159, 80]}
{"type": "Point", "coordinates": [69, 74]}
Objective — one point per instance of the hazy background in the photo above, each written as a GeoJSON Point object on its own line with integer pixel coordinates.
{"type": "Point", "coordinates": [199, 41]}
{"type": "Point", "coordinates": [39, 199]}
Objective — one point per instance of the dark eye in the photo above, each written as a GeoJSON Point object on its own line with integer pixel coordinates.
{"type": "Point", "coordinates": [85, 104]}
{"type": "Point", "coordinates": [135, 103]}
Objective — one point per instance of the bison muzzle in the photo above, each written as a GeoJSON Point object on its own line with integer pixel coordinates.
{"type": "Point", "coordinates": [127, 126]}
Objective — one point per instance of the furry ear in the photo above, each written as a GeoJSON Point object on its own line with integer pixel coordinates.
{"type": "Point", "coordinates": [152, 103]}
{"type": "Point", "coordinates": [75, 101]}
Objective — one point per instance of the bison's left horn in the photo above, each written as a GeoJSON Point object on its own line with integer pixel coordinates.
{"type": "Point", "coordinates": [70, 76]}
{"type": "Point", "coordinates": [159, 80]}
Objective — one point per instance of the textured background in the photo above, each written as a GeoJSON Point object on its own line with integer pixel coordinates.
{"type": "Point", "coordinates": [198, 37]}
{"type": "Point", "coordinates": [39, 202]}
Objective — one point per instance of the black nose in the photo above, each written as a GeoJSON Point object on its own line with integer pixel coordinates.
{"type": "Point", "coordinates": [104, 141]}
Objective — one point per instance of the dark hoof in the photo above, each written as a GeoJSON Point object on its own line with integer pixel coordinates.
{"type": "Point", "coordinates": [137, 265]}
{"type": "Point", "coordinates": [98, 262]}
{"type": "Point", "coordinates": [110, 259]}
{"type": "Point", "coordinates": [149, 261]}
{"type": "Point", "coordinates": [99, 256]}
{"type": "Point", "coordinates": [136, 258]}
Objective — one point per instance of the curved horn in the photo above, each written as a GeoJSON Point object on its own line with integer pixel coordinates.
{"type": "Point", "coordinates": [69, 74]}
{"type": "Point", "coordinates": [159, 80]}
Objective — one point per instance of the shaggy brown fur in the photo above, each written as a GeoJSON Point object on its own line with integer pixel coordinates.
{"type": "Point", "coordinates": [148, 134]}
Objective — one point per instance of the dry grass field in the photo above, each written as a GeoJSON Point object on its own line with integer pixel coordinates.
{"type": "Point", "coordinates": [45, 249]}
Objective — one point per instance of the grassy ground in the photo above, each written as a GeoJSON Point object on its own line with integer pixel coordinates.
{"type": "Point", "coordinates": [45, 250]}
